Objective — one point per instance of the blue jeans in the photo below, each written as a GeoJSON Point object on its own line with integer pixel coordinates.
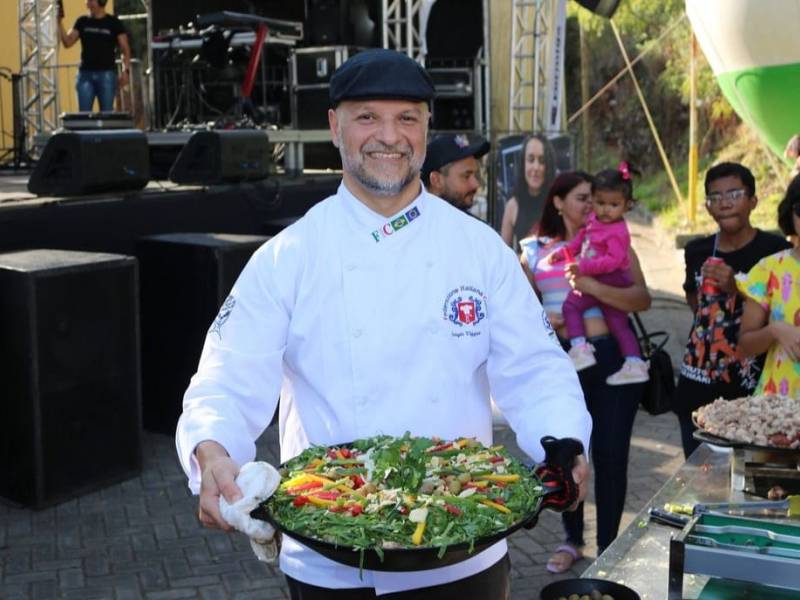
{"type": "Point", "coordinates": [613, 409]}
{"type": "Point", "coordinates": [96, 84]}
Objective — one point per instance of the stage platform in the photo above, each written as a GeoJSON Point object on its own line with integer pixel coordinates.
{"type": "Point", "coordinates": [113, 222]}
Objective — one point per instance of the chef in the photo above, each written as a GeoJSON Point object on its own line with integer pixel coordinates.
{"type": "Point", "coordinates": [383, 310]}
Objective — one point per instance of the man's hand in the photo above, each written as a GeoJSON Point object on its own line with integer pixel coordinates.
{"type": "Point", "coordinates": [723, 274]}
{"type": "Point", "coordinates": [218, 473]}
{"type": "Point", "coordinates": [580, 473]}
{"type": "Point", "coordinates": [555, 256]}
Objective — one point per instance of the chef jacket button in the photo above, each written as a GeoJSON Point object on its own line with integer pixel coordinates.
{"type": "Point", "coordinates": [357, 333]}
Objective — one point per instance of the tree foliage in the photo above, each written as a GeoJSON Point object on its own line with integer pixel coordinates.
{"type": "Point", "coordinates": [618, 120]}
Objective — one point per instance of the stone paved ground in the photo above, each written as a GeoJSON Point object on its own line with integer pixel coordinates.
{"type": "Point", "coordinates": [140, 538]}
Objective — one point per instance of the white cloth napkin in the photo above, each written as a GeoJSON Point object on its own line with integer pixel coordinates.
{"type": "Point", "coordinates": [258, 481]}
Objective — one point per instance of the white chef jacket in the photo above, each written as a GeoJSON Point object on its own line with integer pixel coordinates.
{"type": "Point", "coordinates": [370, 325]}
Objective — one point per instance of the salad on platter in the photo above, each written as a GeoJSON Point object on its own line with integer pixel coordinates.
{"type": "Point", "coordinates": [406, 492]}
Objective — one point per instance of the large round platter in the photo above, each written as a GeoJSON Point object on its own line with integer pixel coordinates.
{"type": "Point", "coordinates": [408, 558]}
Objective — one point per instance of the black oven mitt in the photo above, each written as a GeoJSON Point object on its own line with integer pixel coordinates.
{"type": "Point", "coordinates": [555, 473]}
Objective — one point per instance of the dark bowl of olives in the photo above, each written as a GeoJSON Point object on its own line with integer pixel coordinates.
{"type": "Point", "coordinates": [587, 589]}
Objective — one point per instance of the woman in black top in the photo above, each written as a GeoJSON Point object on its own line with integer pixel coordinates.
{"type": "Point", "coordinates": [524, 209]}
{"type": "Point", "coordinates": [100, 34]}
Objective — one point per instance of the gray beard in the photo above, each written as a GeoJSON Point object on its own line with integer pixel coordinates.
{"type": "Point", "coordinates": [379, 187]}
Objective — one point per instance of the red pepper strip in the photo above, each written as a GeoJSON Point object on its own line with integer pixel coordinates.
{"type": "Point", "coordinates": [356, 510]}
{"type": "Point", "coordinates": [304, 487]}
{"type": "Point", "coordinates": [440, 447]}
{"type": "Point", "coordinates": [499, 501]}
{"type": "Point", "coordinates": [453, 509]}
{"type": "Point", "coordinates": [357, 481]}
{"type": "Point", "coordinates": [300, 500]}
{"type": "Point", "coordinates": [496, 459]}
{"type": "Point", "coordinates": [403, 510]}
{"type": "Point", "coordinates": [331, 495]}
{"type": "Point", "coordinates": [332, 454]}
{"type": "Point", "coordinates": [345, 452]}
{"type": "Point", "coordinates": [499, 484]}
{"type": "Point", "coordinates": [335, 508]}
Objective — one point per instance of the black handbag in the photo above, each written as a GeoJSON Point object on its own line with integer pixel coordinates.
{"type": "Point", "coordinates": [658, 392]}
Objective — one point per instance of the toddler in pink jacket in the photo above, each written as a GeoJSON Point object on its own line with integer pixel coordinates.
{"type": "Point", "coordinates": [602, 248]}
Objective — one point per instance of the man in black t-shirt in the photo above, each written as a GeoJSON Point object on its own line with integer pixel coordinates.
{"type": "Point", "coordinates": [712, 367]}
{"type": "Point", "coordinates": [100, 34]}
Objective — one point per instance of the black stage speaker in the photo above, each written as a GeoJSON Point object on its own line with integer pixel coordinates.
{"type": "Point", "coordinates": [455, 29]}
{"type": "Point", "coordinates": [604, 8]}
{"type": "Point", "coordinates": [454, 114]}
{"type": "Point", "coordinates": [220, 156]}
{"type": "Point", "coordinates": [185, 279]}
{"type": "Point", "coordinates": [87, 162]}
{"type": "Point", "coordinates": [69, 363]}
{"type": "Point", "coordinates": [325, 22]}
{"type": "Point", "coordinates": [334, 22]}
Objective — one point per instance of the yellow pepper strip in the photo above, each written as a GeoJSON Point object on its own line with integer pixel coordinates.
{"type": "Point", "coordinates": [416, 539]}
{"type": "Point", "coordinates": [496, 506]}
{"type": "Point", "coordinates": [496, 448]}
{"type": "Point", "coordinates": [321, 502]}
{"type": "Point", "coordinates": [295, 481]}
{"type": "Point", "coordinates": [462, 442]}
{"type": "Point", "coordinates": [305, 478]}
{"type": "Point", "coordinates": [480, 484]}
{"type": "Point", "coordinates": [502, 478]}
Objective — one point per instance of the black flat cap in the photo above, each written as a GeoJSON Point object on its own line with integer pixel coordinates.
{"type": "Point", "coordinates": [446, 148]}
{"type": "Point", "coordinates": [379, 73]}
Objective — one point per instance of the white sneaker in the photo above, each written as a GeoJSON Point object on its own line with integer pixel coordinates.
{"type": "Point", "coordinates": [632, 371]}
{"type": "Point", "coordinates": [582, 356]}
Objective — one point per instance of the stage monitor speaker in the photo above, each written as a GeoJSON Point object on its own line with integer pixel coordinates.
{"type": "Point", "coordinates": [69, 362]}
{"type": "Point", "coordinates": [604, 8]}
{"type": "Point", "coordinates": [453, 114]}
{"type": "Point", "coordinates": [455, 29]}
{"type": "Point", "coordinates": [88, 162]}
{"type": "Point", "coordinates": [325, 22]}
{"type": "Point", "coordinates": [185, 279]}
{"type": "Point", "coordinates": [221, 156]}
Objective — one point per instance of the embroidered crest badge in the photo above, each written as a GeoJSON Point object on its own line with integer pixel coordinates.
{"type": "Point", "coordinates": [465, 306]}
{"type": "Point", "coordinates": [223, 315]}
{"type": "Point", "coordinates": [466, 311]}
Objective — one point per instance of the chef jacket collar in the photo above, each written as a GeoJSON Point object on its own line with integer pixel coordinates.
{"type": "Point", "coordinates": [368, 222]}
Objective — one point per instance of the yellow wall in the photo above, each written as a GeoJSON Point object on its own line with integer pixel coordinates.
{"type": "Point", "coordinates": [9, 58]}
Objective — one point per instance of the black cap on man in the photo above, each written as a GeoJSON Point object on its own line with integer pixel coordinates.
{"type": "Point", "coordinates": [451, 169]}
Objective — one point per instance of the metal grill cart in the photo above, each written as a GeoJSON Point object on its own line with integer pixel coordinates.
{"type": "Point", "coordinates": [640, 557]}
{"type": "Point", "coordinates": [736, 548]}
{"type": "Point", "coordinates": [755, 469]}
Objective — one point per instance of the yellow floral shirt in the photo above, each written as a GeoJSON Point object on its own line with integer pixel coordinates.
{"type": "Point", "coordinates": [774, 282]}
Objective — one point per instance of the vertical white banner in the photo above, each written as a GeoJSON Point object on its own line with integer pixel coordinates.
{"type": "Point", "coordinates": [555, 68]}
